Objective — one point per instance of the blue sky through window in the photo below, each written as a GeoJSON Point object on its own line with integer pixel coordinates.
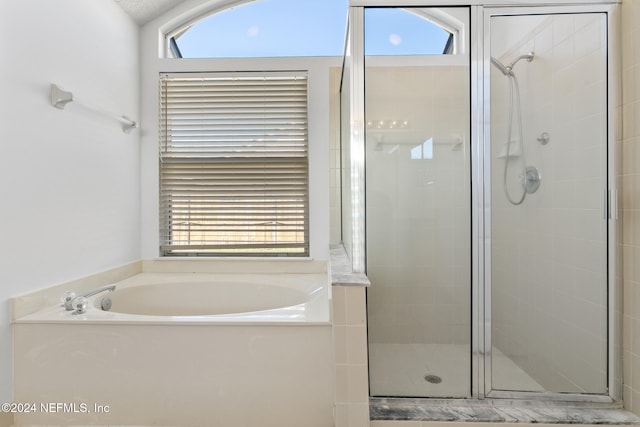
{"type": "Point", "coordinates": [396, 31]}
{"type": "Point", "coordinates": [283, 28]}
{"type": "Point", "coordinates": [270, 28]}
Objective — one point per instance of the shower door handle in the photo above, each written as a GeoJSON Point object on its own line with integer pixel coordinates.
{"type": "Point", "coordinates": [612, 204]}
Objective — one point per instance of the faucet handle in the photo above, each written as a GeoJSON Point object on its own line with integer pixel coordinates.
{"type": "Point", "coordinates": [79, 305]}
{"type": "Point", "coordinates": [67, 298]}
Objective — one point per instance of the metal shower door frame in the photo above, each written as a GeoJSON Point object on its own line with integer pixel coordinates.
{"type": "Point", "coordinates": [481, 387]}
{"type": "Point", "coordinates": [481, 206]}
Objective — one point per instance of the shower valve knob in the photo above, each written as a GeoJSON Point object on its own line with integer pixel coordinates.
{"type": "Point", "coordinates": [532, 179]}
{"type": "Point", "coordinates": [544, 138]}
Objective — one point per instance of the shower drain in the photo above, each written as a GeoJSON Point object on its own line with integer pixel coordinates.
{"type": "Point", "coordinates": [433, 379]}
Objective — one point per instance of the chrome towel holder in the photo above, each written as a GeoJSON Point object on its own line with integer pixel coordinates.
{"type": "Point", "coordinates": [60, 98]}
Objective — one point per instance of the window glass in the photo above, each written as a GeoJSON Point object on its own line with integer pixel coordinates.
{"type": "Point", "coordinates": [397, 31]}
{"type": "Point", "coordinates": [267, 28]}
{"type": "Point", "coordinates": [233, 164]}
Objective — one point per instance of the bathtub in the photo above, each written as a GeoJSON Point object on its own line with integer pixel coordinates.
{"type": "Point", "coordinates": [199, 298]}
{"type": "Point", "coordinates": [182, 349]}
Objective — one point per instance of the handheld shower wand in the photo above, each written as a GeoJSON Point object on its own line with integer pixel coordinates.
{"type": "Point", "coordinates": [530, 175]}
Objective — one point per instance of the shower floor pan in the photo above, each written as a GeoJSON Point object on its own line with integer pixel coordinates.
{"type": "Point", "coordinates": [435, 370]}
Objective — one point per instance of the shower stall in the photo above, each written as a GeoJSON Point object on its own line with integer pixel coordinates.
{"type": "Point", "coordinates": [478, 159]}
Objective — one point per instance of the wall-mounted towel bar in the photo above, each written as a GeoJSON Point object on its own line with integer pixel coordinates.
{"type": "Point", "coordinates": [60, 98]}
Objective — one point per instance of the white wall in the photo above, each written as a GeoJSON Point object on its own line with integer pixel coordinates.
{"type": "Point", "coordinates": [319, 120]}
{"type": "Point", "coordinates": [70, 179]}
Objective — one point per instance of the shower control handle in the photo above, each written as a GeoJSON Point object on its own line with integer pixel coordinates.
{"type": "Point", "coordinates": [544, 138]}
{"type": "Point", "coordinates": [532, 179]}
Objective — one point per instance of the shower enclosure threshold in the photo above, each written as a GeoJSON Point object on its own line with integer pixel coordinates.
{"type": "Point", "coordinates": [499, 411]}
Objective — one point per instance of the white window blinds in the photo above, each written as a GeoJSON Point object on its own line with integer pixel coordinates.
{"type": "Point", "coordinates": [233, 164]}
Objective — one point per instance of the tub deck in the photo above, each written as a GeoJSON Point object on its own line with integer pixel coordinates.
{"type": "Point", "coordinates": [315, 311]}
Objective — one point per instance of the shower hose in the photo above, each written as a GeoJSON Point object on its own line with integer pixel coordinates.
{"type": "Point", "coordinates": [514, 87]}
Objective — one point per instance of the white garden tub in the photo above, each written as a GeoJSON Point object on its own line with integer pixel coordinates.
{"type": "Point", "coordinates": [183, 349]}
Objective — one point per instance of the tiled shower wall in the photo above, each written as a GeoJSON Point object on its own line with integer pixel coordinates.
{"type": "Point", "coordinates": [630, 185]}
{"type": "Point", "coordinates": [418, 204]}
{"type": "Point", "coordinates": [422, 290]}
{"type": "Point", "coordinates": [549, 300]}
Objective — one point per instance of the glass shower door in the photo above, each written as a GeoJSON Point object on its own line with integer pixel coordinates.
{"type": "Point", "coordinates": [548, 156]}
{"type": "Point", "coordinates": [417, 103]}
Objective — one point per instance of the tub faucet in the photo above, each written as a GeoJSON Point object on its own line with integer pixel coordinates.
{"type": "Point", "coordinates": [70, 297]}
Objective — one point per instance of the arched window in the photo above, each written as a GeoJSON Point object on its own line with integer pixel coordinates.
{"type": "Point", "coordinates": [267, 28]}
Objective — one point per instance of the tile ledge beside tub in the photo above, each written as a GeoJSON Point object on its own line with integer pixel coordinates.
{"type": "Point", "coordinates": [341, 271]}
{"type": "Point", "coordinates": [350, 341]}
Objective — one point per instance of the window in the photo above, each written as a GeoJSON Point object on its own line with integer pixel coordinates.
{"type": "Point", "coordinates": [266, 28]}
{"type": "Point", "coordinates": [423, 151]}
{"type": "Point", "coordinates": [407, 31]}
{"type": "Point", "coordinates": [233, 164]}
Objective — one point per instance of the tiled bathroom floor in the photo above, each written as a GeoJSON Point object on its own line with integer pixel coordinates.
{"type": "Point", "coordinates": [399, 370]}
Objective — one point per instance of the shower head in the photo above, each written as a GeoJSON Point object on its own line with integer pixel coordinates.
{"type": "Point", "coordinates": [500, 66]}
{"type": "Point", "coordinates": [507, 70]}
{"type": "Point", "coordinates": [529, 57]}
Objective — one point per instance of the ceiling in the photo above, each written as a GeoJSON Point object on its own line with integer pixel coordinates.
{"type": "Point", "coordinates": [143, 11]}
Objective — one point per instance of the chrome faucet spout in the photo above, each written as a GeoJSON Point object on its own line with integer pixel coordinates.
{"type": "Point", "coordinates": [107, 288]}
{"type": "Point", "coordinates": [68, 301]}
